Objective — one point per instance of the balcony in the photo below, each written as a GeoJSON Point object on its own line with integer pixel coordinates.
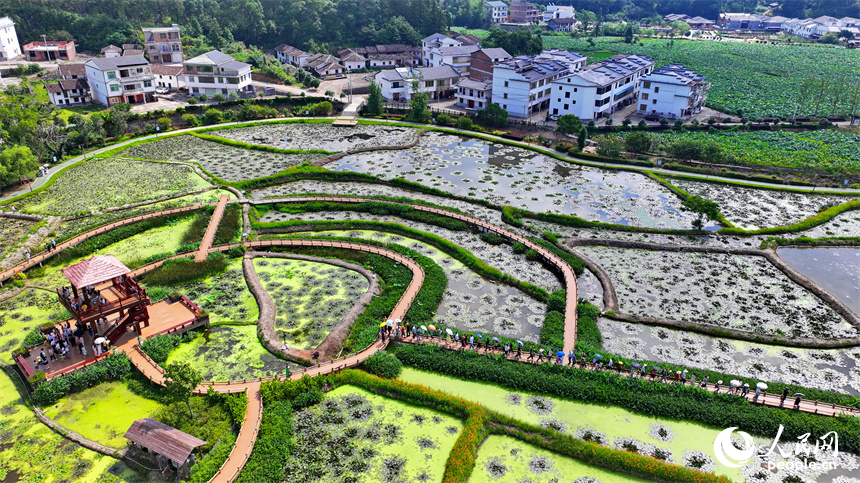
{"type": "Point", "coordinates": [135, 78]}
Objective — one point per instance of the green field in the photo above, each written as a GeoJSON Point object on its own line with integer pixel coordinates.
{"type": "Point", "coordinates": [758, 79]}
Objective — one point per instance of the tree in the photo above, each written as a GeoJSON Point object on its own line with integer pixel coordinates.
{"type": "Point", "coordinates": [517, 42]}
{"type": "Point", "coordinates": [116, 120]}
{"type": "Point", "coordinates": [418, 104]}
{"type": "Point", "coordinates": [374, 100]}
{"type": "Point", "coordinates": [610, 146]}
{"type": "Point", "coordinates": [164, 124]}
{"type": "Point", "coordinates": [568, 124]}
{"type": "Point", "coordinates": [686, 149]}
{"type": "Point", "coordinates": [703, 208]}
{"type": "Point", "coordinates": [212, 116]}
{"type": "Point", "coordinates": [180, 380]}
{"type": "Point", "coordinates": [628, 34]}
{"type": "Point", "coordinates": [493, 116]}
{"type": "Point", "coordinates": [581, 138]}
{"type": "Point", "coordinates": [638, 142]}
{"type": "Point", "coordinates": [15, 163]}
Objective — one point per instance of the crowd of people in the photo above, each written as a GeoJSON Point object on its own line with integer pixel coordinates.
{"type": "Point", "coordinates": [62, 340]}
{"type": "Point", "coordinates": [634, 369]}
{"type": "Point", "coordinates": [89, 299]}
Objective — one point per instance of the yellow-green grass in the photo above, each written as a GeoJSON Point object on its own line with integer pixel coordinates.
{"type": "Point", "coordinates": [38, 454]}
{"type": "Point", "coordinates": [21, 315]}
{"type": "Point", "coordinates": [225, 296]}
{"type": "Point", "coordinates": [102, 413]}
{"type": "Point", "coordinates": [317, 297]}
{"type": "Point", "coordinates": [418, 461]}
{"type": "Point", "coordinates": [515, 456]}
{"type": "Point", "coordinates": [609, 420]}
{"type": "Point", "coordinates": [229, 353]}
{"type": "Point", "coordinates": [132, 251]}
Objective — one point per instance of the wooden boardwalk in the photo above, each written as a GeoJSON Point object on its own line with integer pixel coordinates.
{"type": "Point", "coordinates": [209, 236]}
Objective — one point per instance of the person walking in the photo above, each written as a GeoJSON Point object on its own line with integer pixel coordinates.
{"type": "Point", "coordinates": [797, 401]}
{"type": "Point", "coordinates": [27, 254]}
{"type": "Point", "coordinates": [745, 390]}
{"type": "Point", "coordinates": [684, 377]}
{"type": "Point", "coordinates": [531, 353]}
{"type": "Point", "coordinates": [472, 342]}
{"type": "Point", "coordinates": [783, 397]}
{"type": "Point", "coordinates": [540, 355]}
{"type": "Point", "coordinates": [705, 383]}
{"type": "Point", "coordinates": [53, 244]}
{"type": "Point", "coordinates": [717, 386]}
{"type": "Point", "coordinates": [571, 358]}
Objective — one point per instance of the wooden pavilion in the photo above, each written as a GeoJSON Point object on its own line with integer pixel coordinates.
{"type": "Point", "coordinates": [100, 287]}
{"type": "Point", "coordinates": [166, 443]}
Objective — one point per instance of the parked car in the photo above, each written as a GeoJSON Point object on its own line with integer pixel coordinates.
{"type": "Point", "coordinates": [161, 90]}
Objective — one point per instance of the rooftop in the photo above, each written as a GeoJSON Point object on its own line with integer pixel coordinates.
{"type": "Point", "coordinates": [73, 69]}
{"type": "Point", "coordinates": [496, 4]}
{"type": "Point", "coordinates": [162, 439]}
{"type": "Point", "coordinates": [112, 48]}
{"type": "Point", "coordinates": [533, 68]}
{"type": "Point", "coordinates": [216, 57]}
{"type": "Point", "coordinates": [67, 85]}
{"type": "Point", "coordinates": [681, 74]}
{"type": "Point", "coordinates": [164, 69]}
{"type": "Point", "coordinates": [468, 83]}
{"type": "Point", "coordinates": [94, 270]}
{"type": "Point", "coordinates": [459, 50]}
{"type": "Point", "coordinates": [614, 68]}
{"type": "Point", "coordinates": [104, 63]}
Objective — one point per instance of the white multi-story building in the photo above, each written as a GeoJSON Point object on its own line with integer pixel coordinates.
{"type": "Point", "coordinates": [435, 41]}
{"type": "Point", "coordinates": [9, 46]}
{"type": "Point", "coordinates": [437, 82]}
{"type": "Point", "coordinates": [458, 57]}
{"type": "Point", "coordinates": [672, 91]}
{"type": "Point", "coordinates": [163, 44]}
{"type": "Point", "coordinates": [287, 54]}
{"type": "Point", "coordinates": [120, 79]}
{"type": "Point", "coordinates": [495, 12]}
{"type": "Point", "coordinates": [574, 61]}
{"type": "Point", "coordinates": [522, 85]}
{"type": "Point", "coordinates": [601, 88]}
{"type": "Point", "coordinates": [216, 73]}
{"type": "Point", "coordinates": [474, 94]}
{"type": "Point", "coordinates": [68, 92]}
{"type": "Point", "coordinates": [558, 11]}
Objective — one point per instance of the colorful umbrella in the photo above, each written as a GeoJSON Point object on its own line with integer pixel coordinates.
{"type": "Point", "coordinates": [761, 386]}
{"type": "Point", "coordinates": [496, 339]}
{"type": "Point", "coordinates": [382, 324]}
{"type": "Point", "coordinates": [636, 365]}
{"type": "Point", "coordinates": [423, 327]}
{"type": "Point", "coordinates": [449, 331]}
{"type": "Point", "coordinates": [480, 336]}
{"type": "Point", "coordinates": [431, 327]}
{"type": "Point", "coordinates": [519, 342]}
{"type": "Point", "coordinates": [598, 357]}
{"type": "Point", "coordinates": [560, 353]}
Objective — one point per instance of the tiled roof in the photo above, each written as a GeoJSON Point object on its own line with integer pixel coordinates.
{"type": "Point", "coordinates": [130, 52]}
{"type": "Point", "coordinates": [104, 63]}
{"type": "Point", "coordinates": [67, 85]}
{"type": "Point", "coordinates": [163, 69]}
{"type": "Point", "coordinates": [459, 50]}
{"type": "Point", "coordinates": [112, 48]}
{"type": "Point", "coordinates": [441, 72]}
{"type": "Point", "coordinates": [94, 270]}
{"type": "Point", "coordinates": [162, 439]}
{"type": "Point", "coordinates": [73, 69]}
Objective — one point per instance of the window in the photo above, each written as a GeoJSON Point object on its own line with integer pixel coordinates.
{"type": "Point", "coordinates": [506, 83]}
{"type": "Point", "coordinates": [646, 85]}
{"type": "Point", "coordinates": [642, 107]}
{"type": "Point", "coordinates": [505, 107]}
{"type": "Point", "coordinates": [506, 95]}
{"type": "Point", "coordinates": [559, 87]}
{"type": "Point", "coordinates": [645, 96]}
{"type": "Point", "coordinates": [428, 83]}
{"type": "Point", "coordinates": [574, 89]}
{"type": "Point", "coordinates": [567, 95]}
{"type": "Point", "coordinates": [114, 88]}
{"type": "Point", "coordinates": [204, 68]}
{"type": "Point", "coordinates": [566, 107]}
{"type": "Point", "coordinates": [654, 101]}
{"type": "Point", "coordinates": [574, 102]}
{"type": "Point", "coordinates": [656, 90]}
{"type": "Point", "coordinates": [111, 75]}
{"type": "Point", "coordinates": [555, 112]}
{"type": "Point", "coordinates": [147, 84]}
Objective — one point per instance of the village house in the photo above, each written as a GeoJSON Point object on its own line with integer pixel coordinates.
{"type": "Point", "coordinates": [522, 85]}
{"type": "Point", "coordinates": [743, 21]}
{"type": "Point", "coordinates": [495, 12]}
{"type": "Point", "coordinates": [601, 88]}
{"type": "Point", "coordinates": [574, 61]}
{"type": "Point", "coordinates": [381, 56]}
{"type": "Point", "coordinates": [68, 92]}
{"type": "Point", "coordinates": [73, 71]}
{"type": "Point", "coordinates": [458, 57]}
{"type": "Point", "coordinates": [437, 82]}
{"type": "Point", "coordinates": [9, 46]}
{"type": "Point", "coordinates": [111, 51]}
{"type": "Point", "coordinates": [217, 73]}
{"type": "Point", "coordinates": [352, 61]}
{"type": "Point", "coordinates": [163, 44]}
{"type": "Point", "coordinates": [475, 91]}
{"type": "Point", "coordinates": [435, 42]}
{"type": "Point", "coordinates": [288, 54]}
{"type": "Point", "coordinates": [557, 12]}
{"type": "Point", "coordinates": [165, 444]}
{"type": "Point", "coordinates": [699, 23]}
{"type": "Point", "coordinates": [169, 76]}
{"type": "Point", "coordinates": [561, 24]}
{"type": "Point", "coordinates": [324, 66]}
{"type": "Point", "coordinates": [120, 79]}
{"type": "Point", "coordinates": [49, 51]}
{"type": "Point", "coordinates": [522, 12]}
{"type": "Point", "coordinates": [672, 91]}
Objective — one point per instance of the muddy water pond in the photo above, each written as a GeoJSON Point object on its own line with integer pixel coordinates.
{"type": "Point", "coordinates": [837, 270]}
{"type": "Point", "coordinates": [519, 177]}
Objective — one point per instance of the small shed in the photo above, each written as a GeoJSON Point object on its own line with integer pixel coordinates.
{"type": "Point", "coordinates": [163, 441]}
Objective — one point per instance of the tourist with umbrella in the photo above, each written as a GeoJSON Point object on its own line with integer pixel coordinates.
{"type": "Point", "coordinates": [717, 388]}
{"type": "Point", "coordinates": [759, 388]}
{"type": "Point", "coordinates": [571, 358]}
{"type": "Point", "coordinates": [684, 378]}
{"type": "Point", "coordinates": [559, 355]}
{"type": "Point", "coordinates": [633, 367]}
{"type": "Point", "coordinates": [597, 357]}
{"type": "Point", "coordinates": [450, 333]}
{"type": "Point", "coordinates": [797, 398]}
{"type": "Point", "coordinates": [745, 390]}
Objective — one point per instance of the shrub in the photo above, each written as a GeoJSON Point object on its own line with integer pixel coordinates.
{"type": "Point", "coordinates": [272, 448]}
{"type": "Point", "coordinates": [192, 101]}
{"type": "Point", "coordinates": [37, 378]}
{"type": "Point", "coordinates": [552, 331]}
{"type": "Point", "coordinates": [444, 119]}
{"type": "Point", "coordinates": [159, 346]}
{"type": "Point", "coordinates": [190, 120]}
{"type": "Point", "coordinates": [219, 98]}
{"type": "Point", "coordinates": [164, 124]}
{"type": "Point", "coordinates": [178, 271]}
{"type": "Point", "coordinates": [557, 301]}
{"type": "Point", "coordinates": [203, 470]}
{"type": "Point", "coordinates": [465, 122]}
{"type": "Point", "coordinates": [112, 367]}
{"type": "Point", "coordinates": [532, 255]}
{"type": "Point", "coordinates": [519, 248]}
{"type": "Point", "coordinates": [307, 399]}
{"type": "Point", "coordinates": [492, 238]}
{"type": "Point", "coordinates": [212, 116]}
{"type": "Point", "coordinates": [203, 98]}
{"type": "Point", "coordinates": [383, 364]}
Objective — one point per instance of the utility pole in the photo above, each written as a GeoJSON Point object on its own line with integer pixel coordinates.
{"type": "Point", "coordinates": [45, 45]}
{"type": "Point", "coordinates": [349, 80]}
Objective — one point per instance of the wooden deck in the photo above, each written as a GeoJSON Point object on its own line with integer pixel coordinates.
{"type": "Point", "coordinates": [209, 236]}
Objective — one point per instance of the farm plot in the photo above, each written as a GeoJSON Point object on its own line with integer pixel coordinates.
{"type": "Point", "coordinates": [830, 370]}
{"type": "Point", "coordinates": [12, 231]}
{"type": "Point", "coordinates": [499, 256]}
{"type": "Point", "coordinates": [471, 303]}
{"type": "Point", "coordinates": [845, 224]}
{"type": "Point", "coordinates": [508, 175]}
{"type": "Point", "coordinates": [354, 435]}
{"type": "Point", "coordinates": [323, 136]}
{"type": "Point", "coordinates": [755, 80]}
{"type": "Point", "coordinates": [821, 149]}
{"type": "Point", "coordinates": [228, 163]}
{"type": "Point", "coordinates": [229, 353]}
{"type": "Point", "coordinates": [311, 297]}
{"type": "Point", "coordinates": [751, 208]}
{"type": "Point", "coordinates": [100, 183]}
{"type": "Point", "coordinates": [225, 296]}
{"type": "Point", "coordinates": [503, 459]}
{"type": "Point", "coordinates": [32, 452]}
{"type": "Point", "coordinates": [308, 187]}
{"type": "Point", "coordinates": [731, 291]}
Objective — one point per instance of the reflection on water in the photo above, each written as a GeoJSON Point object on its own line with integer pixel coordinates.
{"type": "Point", "coordinates": [837, 270]}
{"type": "Point", "coordinates": [518, 177]}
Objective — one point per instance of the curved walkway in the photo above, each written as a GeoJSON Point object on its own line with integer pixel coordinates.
{"type": "Point", "coordinates": [45, 255]}
{"type": "Point", "coordinates": [566, 270]}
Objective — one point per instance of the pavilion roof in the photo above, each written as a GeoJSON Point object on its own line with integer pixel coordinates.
{"type": "Point", "coordinates": [162, 439]}
{"type": "Point", "coordinates": [94, 270]}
